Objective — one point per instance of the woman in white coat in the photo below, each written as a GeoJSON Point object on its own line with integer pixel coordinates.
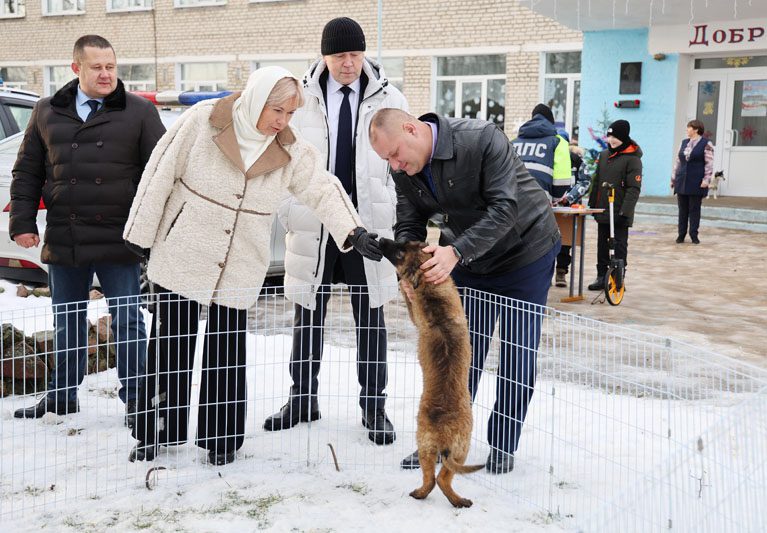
{"type": "Point", "coordinates": [203, 214]}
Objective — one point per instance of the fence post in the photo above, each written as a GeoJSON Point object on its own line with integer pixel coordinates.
{"type": "Point", "coordinates": [554, 349]}
{"type": "Point", "coordinates": [551, 455]}
{"type": "Point", "coordinates": [309, 425]}
{"type": "Point", "coordinates": [669, 396]}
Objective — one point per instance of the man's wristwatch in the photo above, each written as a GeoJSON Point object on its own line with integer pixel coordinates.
{"type": "Point", "coordinates": [457, 253]}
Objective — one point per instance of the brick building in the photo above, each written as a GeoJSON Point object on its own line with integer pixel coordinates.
{"type": "Point", "coordinates": [498, 56]}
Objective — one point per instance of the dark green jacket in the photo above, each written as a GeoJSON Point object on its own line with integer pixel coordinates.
{"type": "Point", "coordinates": [623, 170]}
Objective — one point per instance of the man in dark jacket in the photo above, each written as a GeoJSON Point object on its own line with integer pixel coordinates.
{"type": "Point", "coordinates": [498, 236]}
{"type": "Point", "coordinates": [83, 153]}
{"type": "Point", "coordinates": [620, 166]}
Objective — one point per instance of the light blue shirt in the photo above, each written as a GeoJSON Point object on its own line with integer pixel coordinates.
{"type": "Point", "coordinates": [434, 133]}
{"type": "Point", "coordinates": [81, 104]}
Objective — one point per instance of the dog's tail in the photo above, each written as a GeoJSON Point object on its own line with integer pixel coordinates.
{"type": "Point", "coordinates": [459, 468]}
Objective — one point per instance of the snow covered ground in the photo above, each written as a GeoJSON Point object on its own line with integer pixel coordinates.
{"type": "Point", "coordinates": [582, 446]}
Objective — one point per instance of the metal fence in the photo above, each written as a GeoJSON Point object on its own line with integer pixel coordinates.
{"type": "Point", "coordinates": [626, 431]}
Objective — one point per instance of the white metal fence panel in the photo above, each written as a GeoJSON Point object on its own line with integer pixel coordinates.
{"type": "Point", "coordinates": [625, 431]}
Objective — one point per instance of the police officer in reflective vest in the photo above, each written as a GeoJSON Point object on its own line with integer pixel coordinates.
{"type": "Point", "coordinates": [545, 154]}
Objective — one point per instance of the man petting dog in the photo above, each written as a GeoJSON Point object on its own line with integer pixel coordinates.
{"type": "Point", "coordinates": [497, 236]}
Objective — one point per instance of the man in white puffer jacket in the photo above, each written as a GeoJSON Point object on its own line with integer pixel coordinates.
{"type": "Point", "coordinates": [343, 90]}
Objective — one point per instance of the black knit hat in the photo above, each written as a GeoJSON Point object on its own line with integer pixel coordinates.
{"type": "Point", "coordinates": [620, 129]}
{"type": "Point", "coordinates": [543, 109]}
{"type": "Point", "coordinates": [342, 34]}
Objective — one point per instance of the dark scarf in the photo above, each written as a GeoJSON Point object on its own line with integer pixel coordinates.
{"type": "Point", "coordinates": [620, 148]}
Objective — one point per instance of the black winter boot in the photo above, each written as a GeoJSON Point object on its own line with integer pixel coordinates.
{"type": "Point", "coordinates": [295, 411]}
{"type": "Point", "coordinates": [598, 285]}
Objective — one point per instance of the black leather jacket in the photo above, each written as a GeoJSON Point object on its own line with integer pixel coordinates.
{"type": "Point", "coordinates": [488, 206]}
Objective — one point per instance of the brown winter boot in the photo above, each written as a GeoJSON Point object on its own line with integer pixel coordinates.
{"type": "Point", "coordinates": [561, 280]}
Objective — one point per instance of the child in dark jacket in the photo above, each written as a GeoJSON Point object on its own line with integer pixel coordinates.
{"type": "Point", "coordinates": [619, 166]}
{"type": "Point", "coordinates": [582, 178]}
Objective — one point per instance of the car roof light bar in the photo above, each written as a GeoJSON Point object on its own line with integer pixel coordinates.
{"type": "Point", "coordinates": [149, 95]}
{"type": "Point", "coordinates": [168, 97]}
{"type": "Point", "coordinates": [192, 97]}
{"type": "Point", "coordinates": [185, 98]}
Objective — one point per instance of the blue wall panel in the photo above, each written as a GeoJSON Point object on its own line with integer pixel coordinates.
{"type": "Point", "coordinates": [652, 124]}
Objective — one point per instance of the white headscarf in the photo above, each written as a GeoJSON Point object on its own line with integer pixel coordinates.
{"type": "Point", "coordinates": [247, 110]}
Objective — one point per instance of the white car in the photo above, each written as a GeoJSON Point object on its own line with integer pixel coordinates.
{"type": "Point", "coordinates": [16, 263]}
{"type": "Point", "coordinates": [23, 264]}
{"type": "Point", "coordinates": [15, 109]}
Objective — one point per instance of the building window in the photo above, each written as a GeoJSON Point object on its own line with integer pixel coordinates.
{"type": "Point", "coordinates": [202, 77]}
{"type": "Point", "coordinates": [561, 88]}
{"type": "Point", "coordinates": [13, 77]}
{"type": "Point", "coordinates": [394, 68]}
{"type": "Point", "coordinates": [137, 77]}
{"type": "Point", "coordinates": [297, 67]}
{"type": "Point", "coordinates": [11, 8]}
{"type": "Point", "coordinates": [198, 3]}
{"type": "Point", "coordinates": [129, 5]}
{"type": "Point", "coordinates": [472, 87]}
{"type": "Point", "coordinates": [731, 62]}
{"type": "Point", "coordinates": [63, 7]}
{"type": "Point", "coordinates": [56, 78]}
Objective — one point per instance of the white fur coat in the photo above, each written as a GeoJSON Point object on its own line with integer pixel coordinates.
{"type": "Point", "coordinates": [208, 221]}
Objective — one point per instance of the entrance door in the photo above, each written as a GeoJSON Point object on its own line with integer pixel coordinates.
{"type": "Point", "coordinates": [732, 104]}
{"type": "Point", "coordinates": [745, 139]}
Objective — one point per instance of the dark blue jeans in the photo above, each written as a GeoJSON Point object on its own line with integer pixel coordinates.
{"type": "Point", "coordinates": [69, 290]}
{"type": "Point", "coordinates": [519, 323]}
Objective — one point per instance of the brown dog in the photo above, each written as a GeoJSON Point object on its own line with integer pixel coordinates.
{"type": "Point", "coordinates": [444, 350]}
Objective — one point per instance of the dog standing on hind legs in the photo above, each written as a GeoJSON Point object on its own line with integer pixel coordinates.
{"type": "Point", "coordinates": [444, 351]}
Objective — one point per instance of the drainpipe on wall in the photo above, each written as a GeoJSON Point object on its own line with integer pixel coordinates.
{"type": "Point", "coordinates": [380, 28]}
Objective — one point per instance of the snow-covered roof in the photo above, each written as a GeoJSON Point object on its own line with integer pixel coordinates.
{"type": "Point", "coordinates": [590, 15]}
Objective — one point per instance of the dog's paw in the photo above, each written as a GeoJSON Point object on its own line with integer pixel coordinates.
{"type": "Point", "coordinates": [462, 502]}
{"type": "Point", "coordinates": [419, 494]}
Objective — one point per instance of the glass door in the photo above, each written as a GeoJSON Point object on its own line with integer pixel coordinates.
{"type": "Point", "coordinates": [746, 134]}
{"type": "Point", "coordinates": [707, 104]}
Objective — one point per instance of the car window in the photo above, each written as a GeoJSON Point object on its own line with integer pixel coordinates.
{"type": "Point", "coordinates": [169, 116]}
{"type": "Point", "coordinates": [11, 144]}
{"type": "Point", "coordinates": [21, 115]}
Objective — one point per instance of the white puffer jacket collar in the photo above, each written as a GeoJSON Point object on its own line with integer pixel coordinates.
{"type": "Point", "coordinates": [376, 198]}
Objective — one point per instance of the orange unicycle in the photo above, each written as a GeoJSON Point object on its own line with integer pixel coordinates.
{"type": "Point", "coordinates": [614, 286]}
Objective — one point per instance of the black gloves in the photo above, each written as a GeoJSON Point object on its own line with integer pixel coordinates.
{"type": "Point", "coordinates": [138, 250]}
{"type": "Point", "coordinates": [366, 244]}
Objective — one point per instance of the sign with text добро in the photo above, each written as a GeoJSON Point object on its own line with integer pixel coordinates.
{"type": "Point", "coordinates": [729, 36]}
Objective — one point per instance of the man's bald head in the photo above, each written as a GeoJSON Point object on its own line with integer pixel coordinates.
{"type": "Point", "coordinates": [388, 120]}
{"type": "Point", "coordinates": [401, 139]}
